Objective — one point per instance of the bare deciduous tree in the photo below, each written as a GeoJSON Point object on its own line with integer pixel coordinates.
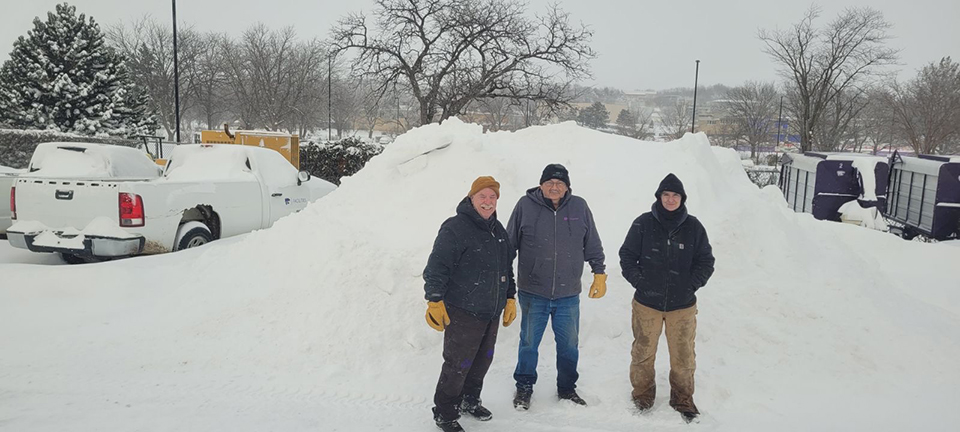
{"type": "Point", "coordinates": [753, 108]}
{"type": "Point", "coordinates": [878, 120]}
{"type": "Point", "coordinates": [272, 75]}
{"type": "Point", "coordinates": [927, 109]}
{"type": "Point", "coordinates": [209, 80]}
{"type": "Point", "coordinates": [148, 47]}
{"type": "Point", "coordinates": [496, 112]}
{"type": "Point", "coordinates": [347, 103]}
{"type": "Point", "coordinates": [449, 53]}
{"type": "Point", "coordinates": [675, 118]}
{"type": "Point", "coordinates": [839, 127]}
{"type": "Point", "coordinates": [820, 64]}
{"type": "Point", "coordinates": [644, 123]}
{"type": "Point", "coordinates": [532, 113]}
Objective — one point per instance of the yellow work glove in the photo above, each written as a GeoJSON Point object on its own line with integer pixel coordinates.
{"type": "Point", "coordinates": [599, 287]}
{"type": "Point", "coordinates": [437, 315]}
{"type": "Point", "coordinates": [509, 312]}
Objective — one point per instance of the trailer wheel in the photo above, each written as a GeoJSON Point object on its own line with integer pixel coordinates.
{"type": "Point", "coordinates": [908, 233]}
{"type": "Point", "coordinates": [192, 234]}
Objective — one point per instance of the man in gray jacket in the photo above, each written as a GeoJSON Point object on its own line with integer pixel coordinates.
{"type": "Point", "coordinates": [554, 233]}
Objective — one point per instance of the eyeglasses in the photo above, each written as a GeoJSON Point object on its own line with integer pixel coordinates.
{"type": "Point", "coordinates": [555, 183]}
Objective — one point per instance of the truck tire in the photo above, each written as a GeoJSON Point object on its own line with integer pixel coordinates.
{"type": "Point", "coordinates": [72, 259]}
{"type": "Point", "coordinates": [192, 234]}
{"type": "Point", "coordinates": [81, 259]}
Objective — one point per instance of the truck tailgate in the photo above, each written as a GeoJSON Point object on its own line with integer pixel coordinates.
{"type": "Point", "coordinates": [59, 203]}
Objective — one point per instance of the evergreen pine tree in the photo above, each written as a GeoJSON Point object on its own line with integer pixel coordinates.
{"type": "Point", "coordinates": [62, 76]}
{"type": "Point", "coordinates": [594, 116]}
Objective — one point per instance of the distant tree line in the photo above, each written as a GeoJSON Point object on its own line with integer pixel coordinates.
{"type": "Point", "coordinates": [415, 61]}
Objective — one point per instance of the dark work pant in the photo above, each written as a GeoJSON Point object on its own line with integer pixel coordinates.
{"type": "Point", "coordinates": [467, 353]}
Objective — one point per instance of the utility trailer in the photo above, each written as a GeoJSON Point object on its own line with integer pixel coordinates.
{"type": "Point", "coordinates": [924, 196]}
{"type": "Point", "coordinates": [820, 183]}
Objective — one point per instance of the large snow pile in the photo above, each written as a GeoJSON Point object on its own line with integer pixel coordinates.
{"type": "Point", "coordinates": [317, 323]}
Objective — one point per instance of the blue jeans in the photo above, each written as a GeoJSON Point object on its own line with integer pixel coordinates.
{"type": "Point", "coordinates": [565, 315]}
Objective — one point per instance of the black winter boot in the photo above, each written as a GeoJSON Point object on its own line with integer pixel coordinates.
{"type": "Point", "coordinates": [474, 408]}
{"type": "Point", "coordinates": [449, 426]}
{"type": "Point", "coordinates": [521, 400]}
{"type": "Point", "coordinates": [446, 425]}
{"type": "Point", "coordinates": [572, 396]}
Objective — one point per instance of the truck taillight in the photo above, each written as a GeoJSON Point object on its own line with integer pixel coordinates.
{"type": "Point", "coordinates": [131, 210]}
{"type": "Point", "coordinates": [13, 203]}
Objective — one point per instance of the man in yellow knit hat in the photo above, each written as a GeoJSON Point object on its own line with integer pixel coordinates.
{"type": "Point", "coordinates": [468, 284]}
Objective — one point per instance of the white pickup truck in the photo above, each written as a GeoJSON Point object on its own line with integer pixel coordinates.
{"type": "Point", "coordinates": [7, 177]}
{"type": "Point", "coordinates": [92, 201]}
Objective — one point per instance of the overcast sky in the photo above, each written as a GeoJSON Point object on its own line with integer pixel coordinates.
{"type": "Point", "coordinates": [641, 44]}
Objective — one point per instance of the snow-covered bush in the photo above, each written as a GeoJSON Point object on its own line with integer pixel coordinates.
{"type": "Point", "coordinates": [335, 160]}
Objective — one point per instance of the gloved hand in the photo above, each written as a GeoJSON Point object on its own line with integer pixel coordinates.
{"type": "Point", "coordinates": [437, 315]}
{"type": "Point", "coordinates": [509, 312]}
{"type": "Point", "coordinates": [599, 287]}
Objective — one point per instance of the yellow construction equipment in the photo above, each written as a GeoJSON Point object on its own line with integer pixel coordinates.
{"type": "Point", "coordinates": [288, 145]}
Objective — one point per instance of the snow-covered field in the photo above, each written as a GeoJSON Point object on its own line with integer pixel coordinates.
{"type": "Point", "coordinates": [317, 323]}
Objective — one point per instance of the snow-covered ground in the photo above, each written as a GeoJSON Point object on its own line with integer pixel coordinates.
{"type": "Point", "coordinates": [317, 323]}
{"type": "Point", "coordinates": [10, 255]}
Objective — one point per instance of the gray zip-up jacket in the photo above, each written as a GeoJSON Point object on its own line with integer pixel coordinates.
{"type": "Point", "coordinates": [553, 244]}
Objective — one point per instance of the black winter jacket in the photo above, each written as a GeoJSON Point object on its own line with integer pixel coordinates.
{"type": "Point", "coordinates": [471, 265]}
{"type": "Point", "coordinates": [666, 268]}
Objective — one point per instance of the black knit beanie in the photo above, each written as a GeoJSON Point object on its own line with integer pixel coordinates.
{"type": "Point", "coordinates": [555, 171]}
{"type": "Point", "coordinates": [673, 184]}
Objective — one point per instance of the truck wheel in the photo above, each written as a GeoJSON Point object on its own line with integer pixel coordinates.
{"type": "Point", "coordinates": [193, 234]}
{"type": "Point", "coordinates": [72, 259]}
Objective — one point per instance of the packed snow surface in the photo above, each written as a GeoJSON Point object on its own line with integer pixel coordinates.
{"type": "Point", "coordinates": [317, 323]}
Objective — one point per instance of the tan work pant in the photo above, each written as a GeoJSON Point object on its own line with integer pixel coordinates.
{"type": "Point", "coordinates": [681, 332]}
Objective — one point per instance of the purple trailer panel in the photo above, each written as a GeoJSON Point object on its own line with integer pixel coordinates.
{"type": "Point", "coordinates": [946, 213]}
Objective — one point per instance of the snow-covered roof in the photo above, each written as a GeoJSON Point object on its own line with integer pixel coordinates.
{"type": "Point", "coordinates": [809, 161]}
{"type": "Point", "coordinates": [8, 170]}
{"type": "Point", "coordinates": [193, 162]}
{"type": "Point", "coordinates": [803, 162]}
{"type": "Point", "coordinates": [924, 166]}
{"type": "Point", "coordinates": [90, 160]}
{"type": "Point", "coordinates": [262, 133]}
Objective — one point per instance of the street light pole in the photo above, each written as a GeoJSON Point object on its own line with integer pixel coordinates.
{"type": "Point", "coordinates": [176, 73]}
{"type": "Point", "coordinates": [397, 94]}
{"type": "Point", "coordinates": [329, 96]}
{"type": "Point", "coordinates": [779, 123]}
{"type": "Point", "coordinates": [696, 78]}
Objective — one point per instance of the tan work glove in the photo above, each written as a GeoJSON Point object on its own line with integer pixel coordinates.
{"type": "Point", "coordinates": [599, 287]}
{"type": "Point", "coordinates": [437, 315]}
{"type": "Point", "coordinates": [509, 312]}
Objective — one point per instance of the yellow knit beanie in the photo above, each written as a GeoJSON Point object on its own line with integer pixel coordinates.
{"type": "Point", "coordinates": [482, 183]}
